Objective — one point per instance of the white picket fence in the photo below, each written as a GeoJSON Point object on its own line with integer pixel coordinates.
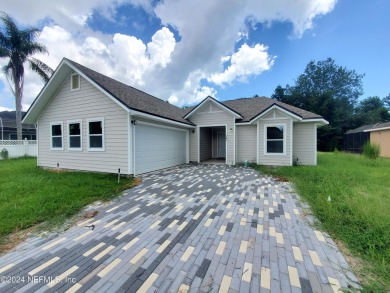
{"type": "Point", "coordinates": [19, 148]}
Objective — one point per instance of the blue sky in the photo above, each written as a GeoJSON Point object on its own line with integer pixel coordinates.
{"type": "Point", "coordinates": [173, 48]}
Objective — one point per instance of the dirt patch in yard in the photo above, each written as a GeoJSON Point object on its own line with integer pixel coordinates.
{"type": "Point", "coordinates": [9, 242]}
{"type": "Point", "coordinates": [280, 179]}
{"type": "Point", "coordinates": [15, 238]}
{"type": "Point", "coordinates": [358, 265]}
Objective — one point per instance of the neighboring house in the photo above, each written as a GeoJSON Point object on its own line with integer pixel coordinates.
{"type": "Point", "coordinates": [88, 121]}
{"type": "Point", "coordinates": [378, 133]}
{"type": "Point", "coordinates": [8, 127]}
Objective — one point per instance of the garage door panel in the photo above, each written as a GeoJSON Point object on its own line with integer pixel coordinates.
{"type": "Point", "coordinates": [157, 148]}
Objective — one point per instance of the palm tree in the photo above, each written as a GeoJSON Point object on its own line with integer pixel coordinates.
{"type": "Point", "coordinates": [18, 45]}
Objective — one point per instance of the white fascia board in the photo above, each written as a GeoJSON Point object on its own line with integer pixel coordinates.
{"type": "Point", "coordinates": [320, 121]}
{"type": "Point", "coordinates": [277, 108]}
{"type": "Point", "coordinates": [36, 102]}
{"type": "Point", "coordinates": [131, 111]}
{"type": "Point", "coordinates": [246, 123]}
{"type": "Point", "coordinates": [64, 61]}
{"type": "Point", "coordinates": [152, 117]}
{"type": "Point", "coordinates": [377, 129]}
{"type": "Point", "coordinates": [97, 86]}
{"type": "Point", "coordinates": [53, 78]}
{"type": "Point", "coordinates": [209, 99]}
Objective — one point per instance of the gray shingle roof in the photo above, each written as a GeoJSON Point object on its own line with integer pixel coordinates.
{"type": "Point", "coordinates": [369, 127]}
{"type": "Point", "coordinates": [359, 129]}
{"type": "Point", "coordinates": [249, 108]}
{"type": "Point", "coordinates": [138, 100]}
{"type": "Point", "coordinates": [134, 98]}
{"type": "Point", "coordinates": [381, 125]}
{"type": "Point", "coordinates": [9, 120]}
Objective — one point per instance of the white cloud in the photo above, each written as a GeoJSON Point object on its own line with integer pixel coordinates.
{"type": "Point", "coordinates": [208, 30]}
{"type": "Point", "coordinates": [161, 47]}
{"type": "Point", "coordinates": [125, 58]}
{"type": "Point", "coordinates": [300, 13]}
{"type": "Point", "coordinates": [245, 62]}
{"type": "Point", "coordinates": [193, 95]}
{"type": "Point", "coordinates": [67, 13]}
{"type": "Point", "coordinates": [192, 92]}
{"type": "Point", "coordinates": [6, 109]}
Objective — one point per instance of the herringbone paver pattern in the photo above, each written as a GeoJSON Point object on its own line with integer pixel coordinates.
{"type": "Point", "coordinates": [205, 228]}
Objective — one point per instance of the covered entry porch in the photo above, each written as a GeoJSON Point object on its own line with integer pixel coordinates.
{"type": "Point", "coordinates": [212, 144]}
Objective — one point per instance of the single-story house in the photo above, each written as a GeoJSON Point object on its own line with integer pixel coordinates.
{"type": "Point", "coordinates": [8, 127]}
{"type": "Point", "coordinates": [378, 133]}
{"type": "Point", "coordinates": [88, 121]}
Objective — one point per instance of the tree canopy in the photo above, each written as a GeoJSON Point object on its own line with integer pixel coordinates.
{"type": "Point", "coordinates": [18, 46]}
{"type": "Point", "coordinates": [386, 102]}
{"type": "Point", "coordinates": [371, 110]}
{"type": "Point", "coordinates": [333, 91]}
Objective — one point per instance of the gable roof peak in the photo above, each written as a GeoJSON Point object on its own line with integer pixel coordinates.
{"type": "Point", "coordinates": [131, 97]}
{"type": "Point", "coordinates": [220, 104]}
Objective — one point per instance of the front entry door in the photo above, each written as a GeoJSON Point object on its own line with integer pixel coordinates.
{"type": "Point", "coordinates": [221, 145]}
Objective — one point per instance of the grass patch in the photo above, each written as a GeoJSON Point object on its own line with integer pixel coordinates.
{"type": "Point", "coordinates": [30, 195]}
{"type": "Point", "coordinates": [359, 211]}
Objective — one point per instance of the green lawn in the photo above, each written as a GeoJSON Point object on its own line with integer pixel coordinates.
{"type": "Point", "coordinates": [359, 211]}
{"type": "Point", "coordinates": [30, 195]}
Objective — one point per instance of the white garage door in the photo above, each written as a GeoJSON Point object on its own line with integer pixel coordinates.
{"type": "Point", "coordinates": [158, 148]}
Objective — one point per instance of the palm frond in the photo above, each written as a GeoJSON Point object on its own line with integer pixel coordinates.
{"type": "Point", "coordinates": [9, 25]}
{"type": "Point", "coordinates": [10, 85]}
{"type": "Point", "coordinates": [32, 31]}
{"type": "Point", "coordinates": [43, 70]}
{"type": "Point", "coordinates": [6, 69]}
{"type": "Point", "coordinates": [4, 42]}
{"type": "Point", "coordinates": [32, 48]}
{"type": "Point", "coordinates": [4, 52]}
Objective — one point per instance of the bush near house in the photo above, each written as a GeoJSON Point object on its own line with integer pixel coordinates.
{"type": "Point", "coordinates": [371, 150]}
{"type": "Point", "coordinates": [4, 154]}
{"type": "Point", "coordinates": [30, 195]}
{"type": "Point", "coordinates": [358, 213]}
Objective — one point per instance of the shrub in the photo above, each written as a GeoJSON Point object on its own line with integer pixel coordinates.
{"type": "Point", "coordinates": [4, 154]}
{"type": "Point", "coordinates": [371, 150]}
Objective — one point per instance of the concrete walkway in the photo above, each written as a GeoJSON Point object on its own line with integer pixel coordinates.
{"type": "Point", "coordinates": [204, 228]}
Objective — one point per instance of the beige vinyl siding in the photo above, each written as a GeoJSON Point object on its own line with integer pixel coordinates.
{"type": "Point", "coordinates": [209, 107]}
{"type": "Point", "coordinates": [382, 138]}
{"type": "Point", "coordinates": [215, 108]}
{"type": "Point", "coordinates": [206, 108]}
{"type": "Point", "coordinates": [218, 118]}
{"type": "Point", "coordinates": [279, 114]}
{"type": "Point", "coordinates": [246, 138]}
{"type": "Point", "coordinates": [83, 104]}
{"type": "Point", "coordinates": [275, 159]}
{"type": "Point", "coordinates": [305, 143]}
{"type": "Point", "coordinates": [270, 115]}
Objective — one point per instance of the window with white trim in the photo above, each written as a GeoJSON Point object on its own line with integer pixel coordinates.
{"type": "Point", "coordinates": [275, 135]}
{"type": "Point", "coordinates": [96, 134]}
{"type": "Point", "coordinates": [74, 135]}
{"type": "Point", "coordinates": [74, 82]}
{"type": "Point", "coordinates": [56, 136]}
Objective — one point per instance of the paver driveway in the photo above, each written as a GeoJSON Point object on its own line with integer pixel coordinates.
{"type": "Point", "coordinates": [197, 228]}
